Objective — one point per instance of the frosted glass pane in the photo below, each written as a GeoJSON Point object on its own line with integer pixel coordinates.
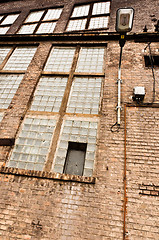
{"type": "Point", "coordinates": [60, 59]}
{"type": "Point", "coordinates": [53, 14]}
{"type": "Point", "coordinates": [46, 27]}
{"type": "Point", "coordinates": [3, 53]}
{"type": "Point", "coordinates": [85, 96]}
{"type": "Point", "coordinates": [34, 16]}
{"type": "Point", "coordinates": [91, 60]}
{"type": "Point", "coordinates": [81, 11]}
{"type": "Point", "coordinates": [98, 22]}
{"type": "Point", "coordinates": [20, 58]}
{"type": "Point", "coordinates": [49, 94]}
{"type": "Point", "coordinates": [101, 8]}
{"type": "Point", "coordinates": [10, 19]}
{"type": "Point", "coordinates": [9, 84]}
{"type": "Point", "coordinates": [3, 30]}
{"type": "Point", "coordinates": [32, 145]}
{"type": "Point", "coordinates": [27, 29]}
{"type": "Point", "coordinates": [75, 25]}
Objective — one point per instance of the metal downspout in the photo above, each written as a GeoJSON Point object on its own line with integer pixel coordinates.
{"type": "Point", "coordinates": [119, 81]}
{"type": "Point", "coordinates": [124, 179]}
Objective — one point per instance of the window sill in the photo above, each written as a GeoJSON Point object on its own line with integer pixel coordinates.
{"type": "Point", "coordinates": [47, 175]}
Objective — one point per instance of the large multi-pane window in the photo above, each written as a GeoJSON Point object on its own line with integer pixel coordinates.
{"type": "Point", "coordinates": [90, 16]}
{"type": "Point", "coordinates": [6, 21]}
{"type": "Point", "coordinates": [13, 64]}
{"type": "Point", "coordinates": [41, 22]}
{"type": "Point", "coordinates": [64, 113]}
{"type": "Point", "coordinates": [33, 143]}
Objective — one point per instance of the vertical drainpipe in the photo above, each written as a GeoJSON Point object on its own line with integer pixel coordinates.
{"type": "Point", "coordinates": [115, 127]}
{"type": "Point", "coordinates": [124, 179]}
{"type": "Point", "coordinates": [119, 81]}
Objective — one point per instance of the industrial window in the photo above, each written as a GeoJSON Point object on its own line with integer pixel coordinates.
{"type": "Point", "coordinates": [49, 93]}
{"type": "Point", "coordinates": [70, 85]}
{"type": "Point", "coordinates": [6, 21]}
{"type": "Point", "coordinates": [60, 59]}
{"type": "Point", "coordinates": [85, 92]}
{"type": "Point", "coordinates": [13, 63]}
{"type": "Point", "coordinates": [41, 22]}
{"type": "Point", "coordinates": [85, 95]}
{"type": "Point", "coordinates": [90, 16]}
{"type": "Point", "coordinates": [4, 52]}
{"type": "Point", "coordinates": [75, 158]}
{"type": "Point", "coordinates": [77, 132]}
{"type": "Point", "coordinates": [31, 147]}
{"type": "Point", "coordinates": [51, 87]}
{"type": "Point", "coordinates": [9, 84]}
{"type": "Point", "coordinates": [90, 60]}
{"type": "Point", "coordinates": [20, 58]}
{"type": "Point", "coordinates": [155, 61]}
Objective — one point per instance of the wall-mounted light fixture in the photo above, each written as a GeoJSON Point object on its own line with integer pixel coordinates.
{"type": "Point", "coordinates": [124, 20]}
{"type": "Point", "coordinates": [124, 24]}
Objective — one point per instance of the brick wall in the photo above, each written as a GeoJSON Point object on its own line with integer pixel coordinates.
{"type": "Point", "coordinates": [142, 173]}
{"type": "Point", "coordinates": [33, 206]}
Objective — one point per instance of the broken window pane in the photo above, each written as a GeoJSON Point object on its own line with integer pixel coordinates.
{"type": "Point", "coordinates": [75, 158]}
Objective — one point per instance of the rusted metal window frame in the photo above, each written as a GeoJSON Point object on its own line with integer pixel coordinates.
{"type": "Point", "coordinates": [88, 17]}
{"type": "Point", "coordinates": [41, 19]}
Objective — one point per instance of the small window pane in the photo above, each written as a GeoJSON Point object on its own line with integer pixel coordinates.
{"type": "Point", "coordinates": [81, 11]}
{"type": "Point", "coordinates": [101, 8]}
{"type": "Point", "coordinates": [3, 53]}
{"type": "Point", "coordinates": [99, 22]}
{"type": "Point", "coordinates": [27, 29]}
{"type": "Point", "coordinates": [85, 96]}
{"type": "Point", "coordinates": [8, 87]}
{"type": "Point", "coordinates": [53, 14]}
{"type": "Point", "coordinates": [60, 59]}
{"type": "Point", "coordinates": [90, 60]}
{"type": "Point", "coordinates": [75, 25]}
{"type": "Point", "coordinates": [34, 16]}
{"type": "Point", "coordinates": [10, 19]}
{"type": "Point", "coordinates": [46, 27]}
{"type": "Point", "coordinates": [49, 93]}
{"type": "Point", "coordinates": [3, 30]}
{"type": "Point", "coordinates": [32, 146]}
{"type": "Point", "coordinates": [1, 17]}
{"type": "Point", "coordinates": [20, 58]}
{"type": "Point", "coordinates": [75, 158]}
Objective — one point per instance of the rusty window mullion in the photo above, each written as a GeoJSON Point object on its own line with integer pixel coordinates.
{"type": "Point", "coordinates": [40, 21]}
{"type": "Point", "coordinates": [89, 15]}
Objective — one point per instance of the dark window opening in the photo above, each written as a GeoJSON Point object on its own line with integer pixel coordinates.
{"type": "Point", "coordinates": [155, 61]}
{"type": "Point", "coordinates": [75, 158]}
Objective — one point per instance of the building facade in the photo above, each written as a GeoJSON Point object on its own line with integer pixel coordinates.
{"type": "Point", "coordinates": [68, 170]}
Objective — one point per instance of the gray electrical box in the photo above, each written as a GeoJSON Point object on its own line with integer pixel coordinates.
{"type": "Point", "coordinates": [139, 94]}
